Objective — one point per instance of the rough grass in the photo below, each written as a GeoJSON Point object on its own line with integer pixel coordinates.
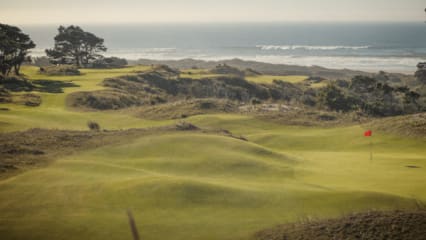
{"type": "Point", "coordinates": [409, 125]}
{"type": "Point", "coordinates": [371, 226]}
{"type": "Point", "coordinates": [192, 185]}
{"type": "Point", "coordinates": [185, 109]}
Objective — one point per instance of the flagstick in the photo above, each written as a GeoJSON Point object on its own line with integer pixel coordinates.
{"type": "Point", "coordinates": [133, 227]}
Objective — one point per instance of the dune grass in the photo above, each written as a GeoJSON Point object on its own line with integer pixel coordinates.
{"type": "Point", "coordinates": [192, 185]}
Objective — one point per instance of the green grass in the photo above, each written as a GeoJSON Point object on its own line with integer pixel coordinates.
{"type": "Point", "coordinates": [186, 185]}
{"type": "Point", "coordinates": [271, 78]}
{"type": "Point", "coordinates": [198, 74]}
{"type": "Point", "coordinates": [265, 79]}
{"type": "Point", "coordinates": [52, 113]}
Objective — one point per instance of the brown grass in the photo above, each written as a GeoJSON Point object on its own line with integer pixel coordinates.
{"type": "Point", "coordinates": [396, 225]}
{"type": "Point", "coordinates": [408, 125]}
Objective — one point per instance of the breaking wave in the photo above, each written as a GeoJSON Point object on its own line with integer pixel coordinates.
{"type": "Point", "coordinates": [308, 47]}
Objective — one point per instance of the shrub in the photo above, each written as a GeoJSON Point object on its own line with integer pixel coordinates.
{"type": "Point", "coordinates": [207, 105]}
{"type": "Point", "coordinates": [335, 99]}
{"type": "Point", "coordinates": [62, 70]}
{"type": "Point", "coordinates": [5, 96]}
{"type": "Point", "coordinates": [327, 117]}
{"type": "Point", "coordinates": [41, 61]}
{"type": "Point", "coordinates": [255, 101]}
{"type": "Point", "coordinates": [93, 126]}
{"type": "Point", "coordinates": [226, 69]}
{"type": "Point", "coordinates": [109, 62]}
{"type": "Point", "coordinates": [31, 100]}
{"type": "Point", "coordinates": [185, 126]}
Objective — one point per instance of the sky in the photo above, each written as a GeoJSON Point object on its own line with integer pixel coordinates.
{"type": "Point", "coordinates": [170, 11]}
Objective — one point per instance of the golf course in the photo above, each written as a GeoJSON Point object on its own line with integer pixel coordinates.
{"type": "Point", "coordinates": [229, 177]}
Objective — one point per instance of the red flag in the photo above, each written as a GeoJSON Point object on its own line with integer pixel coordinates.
{"type": "Point", "coordinates": [368, 133]}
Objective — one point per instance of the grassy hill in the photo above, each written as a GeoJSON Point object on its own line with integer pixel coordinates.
{"type": "Point", "coordinates": [197, 184]}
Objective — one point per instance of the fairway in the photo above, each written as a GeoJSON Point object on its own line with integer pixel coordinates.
{"type": "Point", "coordinates": [185, 185]}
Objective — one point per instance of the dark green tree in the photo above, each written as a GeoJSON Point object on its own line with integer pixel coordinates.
{"type": "Point", "coordinates": [14, 48]}
{"type": "Point", "coordinates": [75, 46]}
{"type": "Point", "coordinates": [421, 73]}
{"type": "Point", "coordinates": [335, 99]}
{"type": "Point", "coordinates": [363, 84]}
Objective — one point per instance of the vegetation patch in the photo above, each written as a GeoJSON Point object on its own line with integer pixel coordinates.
{"type": "Point", "coordinates": [373, 96]}
{"type": "Point", "coordinates": [311, 117]}
{"type": "Point", "coordinates": [228, 70]}
{"type": "Point", "coordinates": [409, 125]}
{"type": "Point", "coordinates": [30, 100]}
{"type": "Point", "coordinates": [93, 126]}
{"type": "Point", "coordinates": [5, 96]}
{"type": "Point", "coordinates": [186, 108]}
{"type": "Point", "coordinates": [156, 87]}
{"type": "Point", "coordinates": [103, 100]}
{"type": "Point", "coordinates": [371, 225]}
{"type": "Point", "coordinates": [186, 126]}
{"type": "Point", "coordinates": [60, 70]}
{"type": "Point", "coordinates": [109, 62]}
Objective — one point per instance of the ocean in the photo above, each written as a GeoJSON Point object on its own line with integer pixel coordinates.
{"type": "Point", "coordinates": [392, 47]}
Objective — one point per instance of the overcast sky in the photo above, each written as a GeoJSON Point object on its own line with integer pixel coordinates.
{"type": "Point", "coordinates": [137, 11]}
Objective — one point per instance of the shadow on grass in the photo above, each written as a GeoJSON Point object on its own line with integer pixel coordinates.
{"type": "Point", "coordinates": [50, 86]}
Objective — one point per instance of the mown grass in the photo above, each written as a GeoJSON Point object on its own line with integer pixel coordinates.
{"type": "Point", "coordinates": [271, 78]}
{"type": "Point", "coordinates": [189, 185]}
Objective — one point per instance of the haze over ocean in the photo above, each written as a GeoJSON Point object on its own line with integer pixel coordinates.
{"type": "Point", "coordinates": [393, 47]}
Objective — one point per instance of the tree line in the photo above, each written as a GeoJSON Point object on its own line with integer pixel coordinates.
{"type": "Point", "coordinates": [14, 48]}
{"type": "Point", "coordinates": [73, 46]}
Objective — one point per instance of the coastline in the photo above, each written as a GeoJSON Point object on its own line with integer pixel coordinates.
{"type": "Point", "coordinates": [269, 68]}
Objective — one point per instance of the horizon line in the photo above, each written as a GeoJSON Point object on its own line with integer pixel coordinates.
{"type": "Point", "coordinates": [218, 22]}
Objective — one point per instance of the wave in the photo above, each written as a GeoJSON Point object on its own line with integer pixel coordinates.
{"type": "Point", "coordinates": [309, 47]}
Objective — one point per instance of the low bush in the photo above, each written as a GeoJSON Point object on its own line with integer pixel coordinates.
{"type": "Point", "coordinates": [31, 100]}
{"type": "Point", "coordinates": [62, 70]}
{"type": "Point", "coordinates": [5, 96]}
{"type": "Point", "coordinates": [93, 126]}
{"type": "Point", "coordinates": [185, 126]}
{"type": "Point", "coordinates": [109, 62]}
